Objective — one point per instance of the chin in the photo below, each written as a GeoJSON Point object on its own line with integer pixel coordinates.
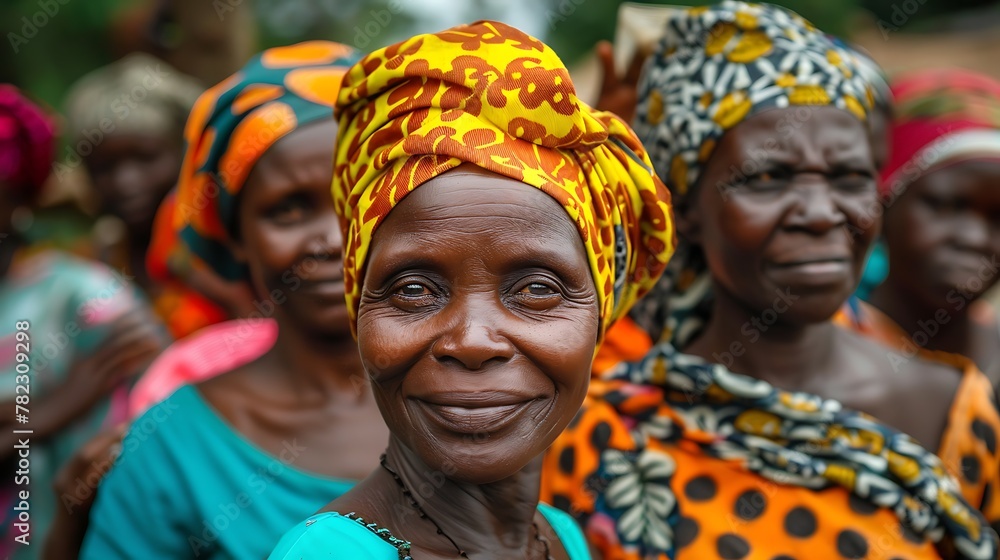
{"type": "Point", "coordinates": [479, 463]}
{"type": "Point", "coordinates": [816, 308]}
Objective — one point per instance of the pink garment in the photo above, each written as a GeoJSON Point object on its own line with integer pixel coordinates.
{"type": "Point", "coordinates": [210, 351]}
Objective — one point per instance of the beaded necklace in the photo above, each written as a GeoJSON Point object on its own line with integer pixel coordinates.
{"type": "Point", "coordinates": [423, 515]}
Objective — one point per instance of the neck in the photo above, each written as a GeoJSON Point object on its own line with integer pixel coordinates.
{"type": "Point", "coordinates": [312, 365]}
{"type": "Point", "coordinates": [788, 356]}
{"type": "Point", "coordinates": [492, 520]}
{"type": "Point", "coordinates": [949, 326]}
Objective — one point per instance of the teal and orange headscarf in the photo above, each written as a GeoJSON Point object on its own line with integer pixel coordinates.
{"type": "Point", "coordinates": [230, 127]}
{"type": "Point", "coordinates": [490, 95]}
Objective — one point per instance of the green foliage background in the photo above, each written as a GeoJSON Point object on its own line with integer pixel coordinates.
{"type": "Point", "coordinates": [75, 39]}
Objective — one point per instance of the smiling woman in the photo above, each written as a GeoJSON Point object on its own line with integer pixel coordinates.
{"type": "Point", "coordinates": [494, 227]}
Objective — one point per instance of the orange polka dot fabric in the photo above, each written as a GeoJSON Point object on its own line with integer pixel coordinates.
{"type": "Point", "coordinates": [673, 458]}
{"type": "Point", "coordinates": [723, 510]}
{"type": "Point", "coordinates": [230, 127]}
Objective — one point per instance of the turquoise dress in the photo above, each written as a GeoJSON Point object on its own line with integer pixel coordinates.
{"type": "Point", "coordinates": [188, 485]}
{"type": "Point", "coordinates": [331, 536]}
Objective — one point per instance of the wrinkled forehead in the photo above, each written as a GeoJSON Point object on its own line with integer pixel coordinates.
{"type": "Point", "coordinates": [798, 130]}
{"type": "Point", "coordinates": [471, 194]}
{"type": "Point", "coordinates": [468, 205]}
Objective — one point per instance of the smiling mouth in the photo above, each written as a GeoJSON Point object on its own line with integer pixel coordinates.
{"type": "Point", "coordinates": [473, 420]}
{"type": "Point", "coordinates": [812, 271]}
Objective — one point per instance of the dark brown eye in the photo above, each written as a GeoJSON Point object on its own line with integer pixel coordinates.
{"type": "Point", "coordinates": [289, 210]}
{"type": "Point", "coordinates": [413, 290]}
{"type": "Point", "coordinates": [537, 289]}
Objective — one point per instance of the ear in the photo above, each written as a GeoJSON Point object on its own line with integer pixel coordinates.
{"type": "Point", "coordinates": [687, 219]}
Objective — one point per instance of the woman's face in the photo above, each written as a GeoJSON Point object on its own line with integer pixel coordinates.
{"type": "Point", "coordinates": [478, 322]}
{"type": "Point", "coordinates": [132, 173]}
{"type": "Point", "coordinates": [786, 211]}
{"type": "Point", "coordinates": [289, 236]}
{"type": "Point", "coordinates": [943, 234]}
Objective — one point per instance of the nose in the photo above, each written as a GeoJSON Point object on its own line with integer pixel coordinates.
{"type": "Point", "coordinates": [472, 341]}
{"type": "Point", "coordinates": [815, 209]}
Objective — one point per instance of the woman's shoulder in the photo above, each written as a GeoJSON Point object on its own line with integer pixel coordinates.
{"type": "Point", "coordinates": [332, 536]}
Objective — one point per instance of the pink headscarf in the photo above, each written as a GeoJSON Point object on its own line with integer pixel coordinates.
{"type": "Point", "coordinates": [27, 142]}
{"type": "Point", "coordinates": [942, 117]}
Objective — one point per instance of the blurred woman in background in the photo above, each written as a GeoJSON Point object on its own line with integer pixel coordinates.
{"type": "Point", "coordinates": [85, 330]}
{"type": "Point", "coordinates": [942, 218]}
{"type": "Point", "coordinates": [126, 124]}
{"type": "Point", "coordinates": [222, 468]}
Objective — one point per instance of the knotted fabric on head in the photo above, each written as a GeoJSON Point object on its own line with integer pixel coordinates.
{"type": "Point", "coordinates": [942, 117]}
{"type": "Point", "coordinates": [27, 141]}
{"type": "Point", "coordinates": [490, 95]}
{"type": "Point", "coordinates": [719, 65]}
{"type": "Point", "coordinates": [230, 127]}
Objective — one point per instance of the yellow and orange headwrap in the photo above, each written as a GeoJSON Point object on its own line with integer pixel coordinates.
{"type": "Point", "coordinates": [490, 95]}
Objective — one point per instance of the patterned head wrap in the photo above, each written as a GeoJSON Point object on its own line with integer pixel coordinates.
{"type": "Point", "coordinates": [942, 117]}
{"type": "Point", "coordinates": [27, 139]}
{"type": "Point", "coordinates": [231, 126]}
{"type": "Point", "coordinates": [493, 96]}
{"type": "Point", "coordinates": [137, 94]}
{"type": "Point", "coordinates": [719, 65]}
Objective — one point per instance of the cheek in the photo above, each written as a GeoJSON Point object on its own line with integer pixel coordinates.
{"type": "Point", "coordinates": [739, 230]}
{"type": "Point", "coordinates": [564, 351]}
{"type": "Point", "coordinates": [272, 252]}
{"type": "Point", "coordinates": [386, 346]}
{"type": "Point", "coordinates": [912, 231]}
{"type": "Point", "coordinates": [865, 216]}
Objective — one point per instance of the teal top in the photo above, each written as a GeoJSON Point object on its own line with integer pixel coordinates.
{"type": "Point", "coordinates": [188, 485]}
{"type": "Point", "coordinates": [331, 536]}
